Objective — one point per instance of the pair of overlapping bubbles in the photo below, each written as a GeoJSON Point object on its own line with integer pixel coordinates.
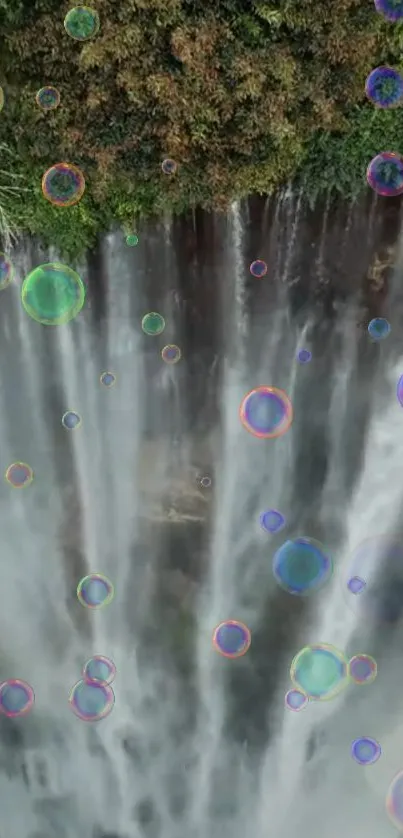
{"type": "Point", "coordinates": [392, 10]}
{"type": "Point", "coordinates": [372, 581]}
{"type": "Point", "coordinates": [266, 412]}
{"type": "Point", "coordinates": [53, 294]}
{"type": "Point", "coordinates": [92, 698]}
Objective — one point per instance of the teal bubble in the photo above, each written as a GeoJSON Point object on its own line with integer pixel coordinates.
{"type": "Point", "coordinates": [302, 566]}
{"type": "Point", "coordinates": [320, 671]}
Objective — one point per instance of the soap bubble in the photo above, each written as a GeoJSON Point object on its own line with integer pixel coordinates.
{"type": "Point", "coordinates": [266, 412]}
{"type": "Point", "coordinates": [232, 639]}
{"type": "Point", "coordinates": [91, 701]}
{"type": "Point", "coordinates": [304, 356]}
{"type": "Point", "coordinates": [320, 671]}
{"type": "Point", "coordinates": [71, 420]}
{"type": "Point", "coordinates": [399, 391]}
{"type": "Point", "coordinates": [82, 23]}
{"type": "Point", "coordinates": [258, 268]}
{"type": "Point", "coordinates": [16, 698]}
{"type": "Point", "coordinates": [378, 563]}
{"type": "Point", "coordinates": [171, 353]}
{"type": "Point", "coordinates": [168, 166]}
{"type": "Point", "coordinates": [301, 566]}
{"type": "Point", "coordinates": [205, 481]}
{"type": "Point", "coordinates": [365, 750]}
{"type": "Point", "coordinates": [362, 669]}
{"type": "Point", "coordinates": [394, 801]}
{"type": "Point", "coordinates": [99, 669]}
{"type": "Point", "coordinates": [384, 87]}
{"type": "Point", "coordinates": [272, 521]}
{"type": "Point", "coordinates": [385, 174]}
{"type": "Point", "coordinates": [19, 475]}
{"type": "Point", "coordinates": [356, 585]}
{"type": "Point", "coordinates": [1, 98]}
{"type": "Point", "coordinates": [132, 240]}
{"type": "Point", "coordinates": [391, 9]}
{"type": "Point", "coordinates": [379, 328]}
{"type": "Point", "coordinates": [63, 185]}
{"type": "Point", "coordinates": [95, 591]}
{"type": "Point", "coordinates": [108, 379]}
{"type": "Point", "coordinates": [153, 323]}
{"type": "Point", "coordinates": [296, 700]}
{"type": "Point", "coordinates": [48, 98]}
{"type": "Point", "coordinates": [53, 294]}
{"type": "Point", "coordinates": [6, 271]}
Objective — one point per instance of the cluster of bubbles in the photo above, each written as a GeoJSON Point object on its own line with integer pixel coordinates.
{"type": "Point", "coordinates": [153, 324]}
{"type": "Point", "coordinates": [231, 639]}
{"type": "Point", "coordinates": [92, 697]}
{"type": "Point", "coordinates": [266, 412]}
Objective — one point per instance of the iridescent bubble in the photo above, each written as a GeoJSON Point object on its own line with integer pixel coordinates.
{"type": "Point", "coordinates": [82, 23]}
{"type": "Point", "coordinates": [378, 563]}
{"type": "Point", "coordinates": [53, 294]}
{"type": "Point", "coordinates": [296, 700]}
{"type": "Point", "coordinates": [266, 412]}
{"type": "Point", "coordinates": [379, 328]}
{"type": "Point", "coordinates": [171, 353]}
{"type": "Point", "coordinates": [91, 701]}
{"type": "Point", "coordinates": [399, 391]}
{"type": "Point", "coordinates": [232, 639]}
{"type": "Point", "coordinates": [356, 585]}
{"type": "Point", "coordinates": [385, 174]}
{"type": "Point", "coordinates": [304, 356]}
{"type": "Point", "coordinates": [63, 185]}
{"type": "Point", "coordinates": [320, 671]}
{"type": "Point", "coordinates": [19, 475]}
{"type": "Point", "coordinates": [302, 566]}
{"type": "Point", "coordinates": [132, 240]}
{"type": "Point", "coordinates": [391, 9]}
{"type": "Point", "coordinates": [258, 268]}
{"type": "Point", "coordinates": [99, 669]}
{"type": "Point", "coordinates": [153, 323]}
{"type": "Point", "coordinates": [272, 521]}
{"type": "Point", "coordinates": [108, 379]}
{"type": "Point", "coordinates": [48, 98]}
{"type": "Point", "coordinates": [71, 420]}
{"type": "Point", "coordinates": [384, 87]}
{"type": "Point", "coordinates": [6, 271]}
{"type": "Point", "coordinates": [362, 669]}
{"type": "Point", "coordinates": [168, 166]}
{"type": "Point", "coordinates": [394, 801]}
{"type": "Point", "coordinates": [16, 698]}
{"type": "Point", "coordinates": [95, 591]}
{"type": "Point", "coordinates": [365, 750]}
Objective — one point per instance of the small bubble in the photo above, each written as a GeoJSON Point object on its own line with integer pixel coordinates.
{"type": "Point", "coordinates": [16, 698]}
{"type": "Point", "coordinates": [258, 268]}
{"type": "Point", "coordinates": [153, 323]}
{"type": "Point", "coordinates": [71, 420]}
{"type": "Point", "coordinates": [168, 166]}
{"type": "Point", "coordinates": [91, 701]}
{"type": "Point", "coordinates": [171, 353]}
{"type": "Point", "coordinates": [19, 475]}
{"type": "Point", "coordinates": [132, 240]}
{"type": "Point", "coordinates": [304, 356]}
{"type": "Point", "coordinates": [108, 379]}
{"type": "Point", "coordinates": [296, 700]}
{"type": "Point", "coordinates": [379, 328]}
{"type": "Point", "coordinates": [231, 639]}
{"type": "Point", "coordinates": [99, 669]}
{"type": "Point", "coordinates": [365, 750]}
{"type": "Point", "coordinates": [272, 521]}
{"type": "Point", "coordinates": [356, 585]}
{"type": "Point", "coordinates": [48, 98]}
{"type": "Point", "coordinates": [95, 591]}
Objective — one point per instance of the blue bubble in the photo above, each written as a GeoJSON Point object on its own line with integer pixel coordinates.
{"type": "Point", "coordinates": [99, 669]}
{"type": "Point", "coordinates": [356, 585]}
{"type": "Point", "coordinates": [385, 174]}
{"type": "Point", "coordinates": [379, 328]}
{"type": "Point", "coordinates": [71, 420]}
{"type": "Point", "coordinates": [296, 700]}
{"type": "Point", "coordinates": [91, 701]}
{"type": "Point", "coordinates": [365, 750]}
{"type": "Point", "coordinates": [16, 698]}
{"type": "Point", "coordinates": [95, 591]}
{"type": "Point", "coordinates": [231, 639]}
{"type": "Point", "coordinates": [272, 521]}
{"type": "Point", "coordinates": [301, 566]}
{"type": "Point", "coordinates": [108, 379]}
{"type": "Point", "coordinates": [399, 391]}
{"type": "Point", "coordinates": [304, 356]}
{"type": "Point", "coordinates": [384, 87]}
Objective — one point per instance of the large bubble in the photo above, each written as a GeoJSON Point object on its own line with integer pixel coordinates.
{"type": "Point", "coordinates": [91, 701]}
{"type": "Point", "coordinates": [232, 639]}
{"type": "Point", "coordinates": [82, 23]}
{"type": "Point", "coordinates": [384, 87]}
{"type": "Point", "coordinates": [266, 412]}
{"type": "Point", "coordinates": [392, 10]}
{"type": "Point", "coordinates": [53, 294]}
{"type": "Point", "coordinates": [95, 591]}
{"type": "Point", "coordinates": [63, 185]}
{"type": "Point", "coordinates": [372, 581]}
{"type": "Point", "coordinates": [385, 174]}
{"type": "Point", "coordinates": [16, 698]}
{"type": "Point", "coordinates": [301, 566]}
{"type": "Point", "coordinates": [320, 671]}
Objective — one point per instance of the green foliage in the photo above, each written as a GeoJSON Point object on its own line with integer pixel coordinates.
{"type": "Point", "coordinates": [243, 96]}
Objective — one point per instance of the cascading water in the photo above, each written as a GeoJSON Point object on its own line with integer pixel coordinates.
{"type": "Point", "coordinates": [198, 745]}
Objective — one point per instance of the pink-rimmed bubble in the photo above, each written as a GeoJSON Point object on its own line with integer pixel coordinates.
{"type": "Point", "coordinates": [365, 750]}
{"type": "Point", "coordinates": [16, 698]}
{"type": "Point", "coordinates": [266, 412]}
{"type": "Point", "coordinates": [95, 590]}
{"type": "Point", "coordinates": [385, 174]}
{"type": "Point", "coordinates": [258, 268]}
{"type": "Point", "coordinates": [296, 700]}
{"type": "Point", "coordinates": [99, 669]}
{"type": "Point", "coordinates": [362, 669]}
{"type": "Point", "coordinates": [91, 701]}
{"type": "Point", "coordinates": [399, 391]}
{"type": "Point", "coordinates": [231, 639]}
{"type": "Point", "coordinates": [394, 801]}
{"type": "Point", "coordinates": [19, 475]}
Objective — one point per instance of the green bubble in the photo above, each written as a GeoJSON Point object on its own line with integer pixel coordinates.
{"type": "Point", "coordinates": [132, 240]}
{"type": "Point", "coordinates": [53, 294]}
{"type": "Point", "coordinates": [82, 23]}
{"type": "Point", "coordinates": [320, 670]}
{"type": "Point", "coordinates": [153, 323]}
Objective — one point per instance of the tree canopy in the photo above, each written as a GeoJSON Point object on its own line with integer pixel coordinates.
{"type": "Point", "coordinates": [245, 95]}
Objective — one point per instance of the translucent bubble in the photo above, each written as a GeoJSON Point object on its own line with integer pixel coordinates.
{"type": "Point", "coordinates": [258, 268]}
{"type": "Point", "coordinates": [53, 294]}
{"type": "Point", "coordinates": [82, 23]}
{"type": "Point", "coordinates": [171, 353]}
{"type": "Point", "coordinates": [19, 475]}
{"type": "Point", "coordinates": [378, 563]}
{"type": "Point", "coordinates": [365, 750]}
{"type": "Point", "coordinates": [153, 323]}
{"type": "Point", "coordinates": [99, 669]}
{"type": "Point", "coordinates": [391, 9]}
{"type": "Point", "coordinates": [48, 98]}
{"type": "Point", "coordinates": [301, 566]}
{"type": "Point", "coordinates": [272, 521]}
{"type": "Point", "coordinates": [63, 185]}
{"type": "Point", "coordinates": [95, 591]}
{"type": "Point", "coordinates": [91, 701]}
{"type": "Point", "coordinates": [296, 700]}
{"type": "Point", "coordinates": [168, 166]}
{"type": "Point", "coordinates": [385, 174]}
{"type": "Point", "coordinates": [132, 240]}
{"type": "Point", "coordinates": [16, 698]}
{"type": "Point", "coordinates": [6, 271]}
{"type": "Point", "coordinates": [232, 639]}
{"type": "Point", "coordinates": [320, 671]}
{"type": "Point", "coordinates": [394, 801]}
{"type": "Point", "coordinates": [304, 356]}
{"type": "Point", "coordinates": [384, 87]}
{"type": "Point", "coordinates": [362, 669]}
{"type": "Point", "coordinates": [266, 412]}
{"type": "Point", "coordinates": [379, 328]}
{"type": "Point", "coordinates": [205, 481]}
{"type": "Point", "coordinates": [356, 585]}
{"type": "Point", "coordinates": [1, 98]}
{"type": "Point", "coordinates": [71, 420]}
{"type": "Point", "coordinates": [108, 379]}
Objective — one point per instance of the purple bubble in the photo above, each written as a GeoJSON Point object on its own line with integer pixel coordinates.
{"type": "Point", "coordinates": [272, 521]}
{"type": "Point", "coordinates": [362, 669]}
{"type": "Point", "coordinates": [304, 356]}
{"type": "Point", "coordinates": [356, 585]}
{"type": "Point", "coordinates": [399, 391]}
{"type": "Point", "coordinates": [296, 700]}
{"type": "Point", "coordinates": [392, 10]}
{"type": "Point", "coordinates": [365, 750]}
{"type": "Point", "coordinates": [385, 174]}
